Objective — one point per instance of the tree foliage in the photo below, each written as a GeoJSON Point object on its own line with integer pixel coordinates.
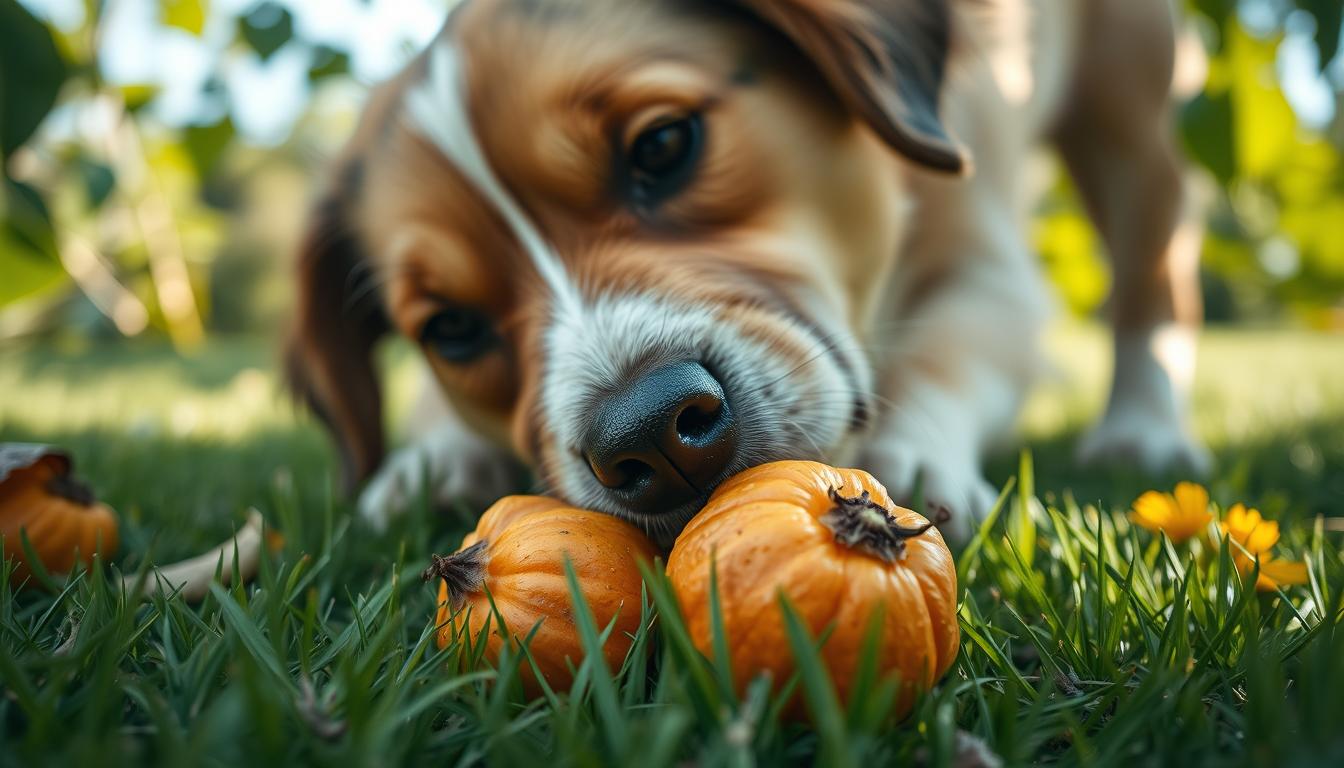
{"type": "Point", "coordinates": [107, 206]}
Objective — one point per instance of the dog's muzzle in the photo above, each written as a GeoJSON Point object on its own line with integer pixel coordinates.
{"type": "Point", "coordinates": [663, 441]}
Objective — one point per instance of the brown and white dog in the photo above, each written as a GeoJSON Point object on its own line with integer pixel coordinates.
{"type": "Point", "coordinates": [646, 244]}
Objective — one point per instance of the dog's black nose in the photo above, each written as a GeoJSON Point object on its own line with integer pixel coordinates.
{"type": "Point", "coordinates": [663, 440]}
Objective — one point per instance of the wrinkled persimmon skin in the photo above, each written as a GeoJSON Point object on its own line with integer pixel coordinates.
{"type": "Point", "coordinates": [527, 539]}
{"type": "Point", "coordinates": [762, 531]}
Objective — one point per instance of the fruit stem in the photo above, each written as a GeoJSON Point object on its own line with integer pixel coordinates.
{"type": "Point", "coordinates": [463, 572]}
{"type": "Point", "coordinates": [863, 524]}
{"type": "Point", "coordinates": [70, 489]}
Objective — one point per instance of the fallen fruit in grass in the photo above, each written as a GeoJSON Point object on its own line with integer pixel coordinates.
{"type": "Point", "coordinates": [518, 553]}
{"type": "Point", "coordinates": [844, 556]}
{"type": "Point", "coordinates": [40, 498]}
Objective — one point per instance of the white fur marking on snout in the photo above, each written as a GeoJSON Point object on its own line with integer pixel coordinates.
{"type": "Point", "coordinates": [439, 108]}
{"type": "Point", "coordinates": [805, 413]}
{"type": "Point", "coordinates": [593, 346]}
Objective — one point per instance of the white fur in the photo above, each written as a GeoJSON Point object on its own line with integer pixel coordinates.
{"type": "Point", "coordinates": [984, 318]}
{"type": "Point", "coordinates": [438, 107]}
{"type": "Point", "coordinates": [590, 357]}
{"type": "Point", "coordinates": [974, 340]}
{"type": "Point", "coordinates": [592, 347]}
{"type": "Point", "coordinates": [934, 437]}
{"type": "Point", "coordinates": [448, 463]}
{"type": "Point", "coordinates": [1145, 419]}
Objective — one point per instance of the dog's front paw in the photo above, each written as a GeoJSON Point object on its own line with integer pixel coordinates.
{"type": "Point", "coordinates": [950, 486]}
{"type": "Point", "coordinates": [447, 466]}
{"type": "Point", "coordinates": [1157, 446]}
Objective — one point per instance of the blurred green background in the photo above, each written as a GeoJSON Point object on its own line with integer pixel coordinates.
{"type": "Point", "coordinates": [158, 156]}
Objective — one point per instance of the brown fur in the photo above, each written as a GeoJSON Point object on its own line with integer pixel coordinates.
{"type": "Point", "coordinates": [432, 240]}
{"type": "Point", "coordinates": [799, 210]}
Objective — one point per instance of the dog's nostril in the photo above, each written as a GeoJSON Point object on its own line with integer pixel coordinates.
{"type": "Point", "coordinates": [664, 439]}
{"type": "Point", "coordinates": [632, 473]}
{"type": "Point", "coordinates": [699, 420]}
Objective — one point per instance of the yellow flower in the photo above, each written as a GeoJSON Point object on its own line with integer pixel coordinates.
{"type": "Point", "coordinates": [1181, 515]}
{"type": "Point", "coordinates": [1279, 572]}
{"type": "Point", "coordinates": [1257, 536]}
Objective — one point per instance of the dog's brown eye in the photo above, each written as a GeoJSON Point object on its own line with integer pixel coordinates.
{"type": "Point", "coordinates": [458, 335]}
{"type": "Point", "coordinates": [662, 158]}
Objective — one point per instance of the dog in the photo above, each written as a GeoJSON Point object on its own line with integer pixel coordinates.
{"type": "Point", "coordinates": [646, 244]}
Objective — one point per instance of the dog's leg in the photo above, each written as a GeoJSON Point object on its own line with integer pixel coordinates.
{"type": "Point", "coordinates": [444, 461]}
{"type": "Point", "coordinates": [932, 440]}
{"type": "Point", "coordinates": [963, 350]}
{"type": "Point", "coordinates": [1116, 137]}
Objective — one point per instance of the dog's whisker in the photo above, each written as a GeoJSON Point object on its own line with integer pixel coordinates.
{"type": "Point", "coordinates": [364, 280]}
{"type": "Point", "coordinates": [805, 434]}
{"type": "Point", "coordinates": [828, 345]}
{"type": "Point", "coordinates": [364, 291]}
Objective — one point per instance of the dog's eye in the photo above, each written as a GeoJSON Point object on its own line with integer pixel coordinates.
{"type": "Point", "coordinates": [662, 157]}
{"type": "Point", "coordinates": [458, 335]}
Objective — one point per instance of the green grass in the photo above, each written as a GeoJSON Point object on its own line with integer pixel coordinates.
{"type": "Point", "coordinates": [1085, 641]}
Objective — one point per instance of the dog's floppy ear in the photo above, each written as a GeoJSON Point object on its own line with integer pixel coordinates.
{"type": "Point", "coordinates": [884, 58]}
{"type": "Point", "coordinates": [337, 323]}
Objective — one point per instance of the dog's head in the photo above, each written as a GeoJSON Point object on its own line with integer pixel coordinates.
{"type": "Point", "coordinates": [641, 242]}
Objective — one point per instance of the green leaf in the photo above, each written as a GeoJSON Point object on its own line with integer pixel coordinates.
{"type": "Point", "coordinates": [35, 565]}
{"type": "Point", "coordinates": [99, 180]}
{"type": "Point", "coordinates": [185, 14]}
{"type": "Point", "coordinates": [31, 74]}
{"type": "Point", "coordinates": [818, 690]}
{"type": "Point", "coordinates": [599, 675]}
{"type": "Point", "coordinates": [328, 62]}
{"type": "Point", "coordinates": [242, 623]}
{"type": "Point", "coordinates": [267, 28]}
{"type": "Point", "coordinates": [1206, 129]}
{"type": "Point", "coordinates": [1264, 124]}
{"type": "Point", "coordinates": [27, 218]}
{"type": "Point", "coordinates": [25, 275]}
{"type": "Point", "coordinates": [136, 96]}
{"type": "Point", "coordinates": [676, 637]}
{"type": "Point", "coordinates": [1217, 10]}
{"type": "Point", "coordinates": [1024, 524]}
{"type": "Point", "coordinates": [206, 144]}
{"type": "Point", "coordinates": [1329, 15]}
{"type": "Point", "coordinates": [28, 257]}
{"type": "Point", "coordinates": [971, 554]}
{"type": "Point", "coordinates": [718, 631]}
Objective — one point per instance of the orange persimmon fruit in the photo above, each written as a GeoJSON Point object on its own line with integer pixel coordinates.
{"type": "Point", "coordinates": [844, 556]}
{"type": "Point", "coordinates": [40, 498]}
{"type": "Point", "coordinates": [516, 557]}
